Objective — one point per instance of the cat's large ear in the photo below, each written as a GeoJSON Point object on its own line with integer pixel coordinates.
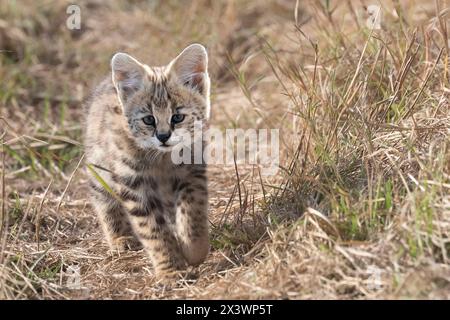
{"type": "Point", "coordinates": [191, 68]}
{"type": "Point", "coordinates": [127, 75]}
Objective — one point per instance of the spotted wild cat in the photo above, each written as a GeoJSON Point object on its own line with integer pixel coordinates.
{"type": "Point", "coordinates": [133, 122]}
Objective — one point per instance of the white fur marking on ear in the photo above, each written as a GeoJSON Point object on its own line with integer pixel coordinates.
{"type": "Point", "coordinates": [127, 74]}
{"type": "Point", "coordinates": [191, 67]}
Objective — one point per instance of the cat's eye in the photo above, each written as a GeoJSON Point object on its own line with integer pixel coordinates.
{"type": "Point", "coordinates": [149, 120]}
{"type": "Point", "coordinates": [177, 118]}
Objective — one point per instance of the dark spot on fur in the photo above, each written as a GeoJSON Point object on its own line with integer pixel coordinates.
{"type": "Point", "coordinates": [154, 203]}
{"type": "Point", "coordinates": [183, 186]}
{"type": "Point", "coordinates": [139, 212]}
{"type": "Point", "coordinates": [160, 220]}
{"type": "Point", "coordinates": [143, 224]}
{"type": "Point", "coordinates": [175, 183]}
{"type": "Point", "coordinates": [128, 195]}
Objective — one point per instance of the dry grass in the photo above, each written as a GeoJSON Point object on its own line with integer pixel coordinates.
{"type": "Point", "coordinates": [361, 207]}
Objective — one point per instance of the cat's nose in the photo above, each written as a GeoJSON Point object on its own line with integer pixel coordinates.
{"type": "Point", "coordinates": [163, 137]}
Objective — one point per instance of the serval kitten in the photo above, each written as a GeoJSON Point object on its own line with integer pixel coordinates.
{"type": "Point", "coordinates": [133, 122]}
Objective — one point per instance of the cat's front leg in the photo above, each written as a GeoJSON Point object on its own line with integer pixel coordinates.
{"type": "Point", "coordinates": [152, 229]}
{"type": "Point", "coordinates": [113, 219]}
{"type": "Point", "coordinates": [192, 220]}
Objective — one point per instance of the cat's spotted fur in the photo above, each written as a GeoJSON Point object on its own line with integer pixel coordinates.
{"type": "Point", "coordinates": [155, 203]}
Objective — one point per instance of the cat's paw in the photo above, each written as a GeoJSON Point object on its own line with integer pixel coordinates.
{"type": "Point", "coordinates": [122, 244]}
{"type": "Point", "coordinates": [133, 244]}
{"type": "Point", "coordinates": [175, 278]}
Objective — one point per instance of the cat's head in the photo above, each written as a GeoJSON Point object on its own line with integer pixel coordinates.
{"type": "Point", "coordinates": [162, 103]}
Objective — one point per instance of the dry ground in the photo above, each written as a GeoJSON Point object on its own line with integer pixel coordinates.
{"type": "Point", "coordinates": [360, 207]}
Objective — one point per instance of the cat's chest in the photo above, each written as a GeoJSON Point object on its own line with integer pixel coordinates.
{"type": "Point", "coordinates": [161, 193]}
{"type": "Point", "coordinates": [160, 184]}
